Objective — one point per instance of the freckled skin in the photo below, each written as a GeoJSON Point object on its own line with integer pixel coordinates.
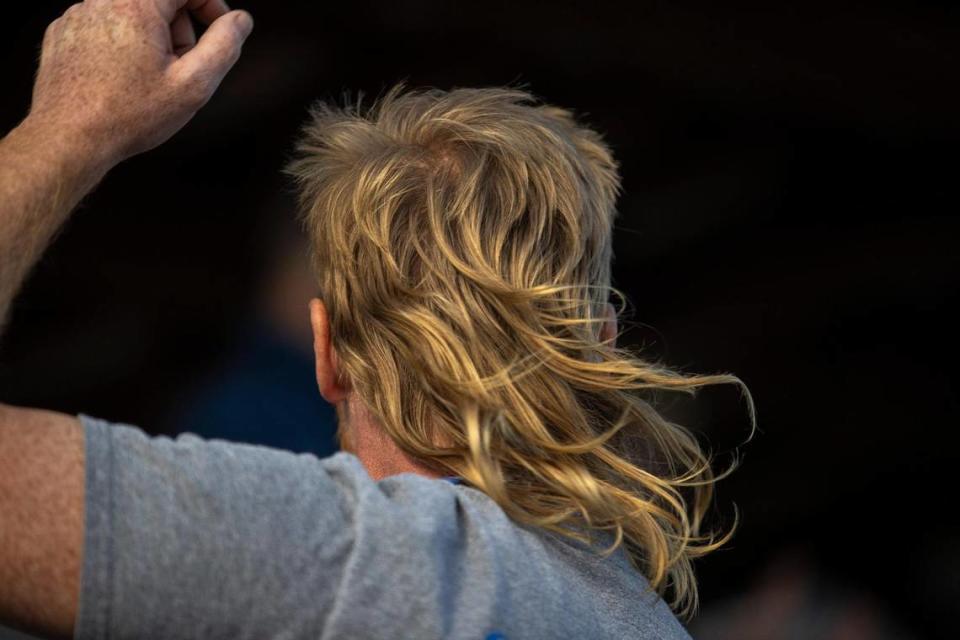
{"type": "Point", "coordinates": [109, 72]}
{"type": "Point", "coordinates": [116, 78]}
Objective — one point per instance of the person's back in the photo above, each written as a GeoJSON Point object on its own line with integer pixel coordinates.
{"type": "Point", "coordinates": [195, 538]}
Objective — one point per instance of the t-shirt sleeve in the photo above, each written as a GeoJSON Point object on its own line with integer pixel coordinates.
{"type": "Point", "coordinates": [189, 538]}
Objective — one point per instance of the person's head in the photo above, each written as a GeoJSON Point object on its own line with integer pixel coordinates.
{"type": "Point", "coordinates": [462, 243]}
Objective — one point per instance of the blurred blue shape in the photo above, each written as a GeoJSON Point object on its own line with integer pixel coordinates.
{"type": "Point", "coordinates": [266, 394]}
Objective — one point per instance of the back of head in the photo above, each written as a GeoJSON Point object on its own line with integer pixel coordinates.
{"type": "Point", "coordinates": [462, 242]}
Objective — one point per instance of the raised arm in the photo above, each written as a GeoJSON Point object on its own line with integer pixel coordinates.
{"type": "Point", "coordinates": [116, 78]}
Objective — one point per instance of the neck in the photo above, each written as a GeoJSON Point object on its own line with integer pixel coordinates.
{"type": "Point", "coordinates": [362, 435]}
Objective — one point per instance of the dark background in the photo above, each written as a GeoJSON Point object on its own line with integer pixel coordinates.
{"type": "Point", "coordinates": [789, 215]}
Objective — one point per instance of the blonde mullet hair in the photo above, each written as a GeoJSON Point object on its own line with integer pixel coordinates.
{"type": "Point", "coordinates": [462, 242]}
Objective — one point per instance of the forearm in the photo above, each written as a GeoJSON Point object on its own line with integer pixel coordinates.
{"type": "Point", "coordinates": [44, 173]}
{"type": "Point", "coordinates": [115, 79]}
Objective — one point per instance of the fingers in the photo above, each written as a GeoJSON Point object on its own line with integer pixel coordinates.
{"type": "Point", "coordinates": [206, 11]}
{"type": "Point", "coordinates": [205, 65]}
{"type": "Point", "coordinates": [182, 35]}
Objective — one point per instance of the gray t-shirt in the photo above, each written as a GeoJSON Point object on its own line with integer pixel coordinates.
{"type": "Point", "coordinates": [190, 538]}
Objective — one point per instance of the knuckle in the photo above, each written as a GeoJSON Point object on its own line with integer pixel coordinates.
{"type": "Point", "coordinates": [53, 32]}
{"type": "Point", "coordinates": [51, 29]}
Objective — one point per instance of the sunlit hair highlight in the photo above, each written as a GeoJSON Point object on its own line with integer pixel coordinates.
{"type": "Point", "coordinates": [462, 242]}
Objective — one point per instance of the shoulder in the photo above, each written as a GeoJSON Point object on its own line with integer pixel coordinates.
{"type": "Point", "coordinates": [418, 556]}
{"type": "Point", "coordinates": [194, 470]}
{"type": "Point", "coordinates": [303, 539]}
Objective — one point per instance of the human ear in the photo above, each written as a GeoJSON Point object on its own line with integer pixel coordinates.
{"type": "Point", "coordinates": [328, 380]}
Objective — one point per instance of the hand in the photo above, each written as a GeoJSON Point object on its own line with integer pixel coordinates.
{"type": "Point", "coordinates": [119, 77]}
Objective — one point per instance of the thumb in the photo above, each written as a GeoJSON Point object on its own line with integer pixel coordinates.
{"type": "Point", "coordinates": [216, 52]}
